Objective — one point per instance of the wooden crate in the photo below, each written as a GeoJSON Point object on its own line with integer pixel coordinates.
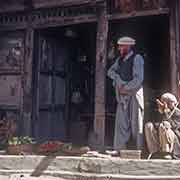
{"type": "Point", "coordinates": [130, 154]}
{"type": "Point", "coordinates": [21, 148]}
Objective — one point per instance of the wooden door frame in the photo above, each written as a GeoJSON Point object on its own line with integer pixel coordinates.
{"type": "Point", "coordinates": [35, 87]}
{"type": "Point", "coordinates": [174, 18]}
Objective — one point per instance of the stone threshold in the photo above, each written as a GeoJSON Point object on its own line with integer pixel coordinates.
{"type": "Point", "coordinates": [82, 176]}
{"type": "Point", "coordinates": [86, 168]}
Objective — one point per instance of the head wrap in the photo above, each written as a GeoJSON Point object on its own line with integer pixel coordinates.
{"type": "Point", "coordinates": [126, 41]}
{"type": "Point", "coordinates": [168, 97]}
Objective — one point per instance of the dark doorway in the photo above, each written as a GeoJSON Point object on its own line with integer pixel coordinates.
{"type": "Point", "coordinates": [152, 37]}
{"type": "Point", "coordinates": [64, 82]}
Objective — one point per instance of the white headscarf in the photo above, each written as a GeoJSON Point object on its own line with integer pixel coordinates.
{"type": "Point", "coordinates": [168, 97]}
{"type": "Point", "coordinates": [126, 41]}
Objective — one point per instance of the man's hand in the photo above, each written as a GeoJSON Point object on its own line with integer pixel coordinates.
{"type": "Point", "coordinates": [161, 105]}
{"type": "Point", "coordinates": [122, 90]}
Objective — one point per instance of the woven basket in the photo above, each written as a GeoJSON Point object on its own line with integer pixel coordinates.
{"type": "Point", "coordinates": [20, 148]}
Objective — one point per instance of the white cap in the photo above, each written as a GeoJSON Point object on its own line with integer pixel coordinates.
{"type": "Point", "coordinates": [126, 41]}
{"type": "Point", "coordinates": [168, 97]}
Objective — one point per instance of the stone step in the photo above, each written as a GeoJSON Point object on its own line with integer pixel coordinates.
{"type": "Point", "coordinates": [86, 168]}
{"type": "Point", "coordinates": [82, 176]}
{"type": "Point", "coordinates": [28, 177]}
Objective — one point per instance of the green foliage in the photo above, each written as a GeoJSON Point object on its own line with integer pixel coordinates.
{"type": "Point", "coordinates": [20, 140]}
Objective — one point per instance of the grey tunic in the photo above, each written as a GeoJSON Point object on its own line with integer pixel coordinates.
{"type": "Point", "coordinates": [130, 108]}
{"type": "Point", "coordinates": [175, 123]}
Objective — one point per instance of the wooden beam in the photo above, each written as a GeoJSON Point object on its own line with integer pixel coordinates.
{"type": "Point", "coordinates": [29, 4]}
{"type": "Point", "coordinates": [173, 63]}
{"type": "Point", "coordinates": [55, 3]}
{"type": "Point", "coordinates": [13, 27]}
{"type": "Point", "coordinates": [178, 45]}
{"type": "Point", "coordinates": [100, 77]}
{"type": "Point", "coordinates": [135, 14]}
{"type": "Point", "coordinates": [51, 22]}
{"type": "Point", "coordinates": [12, 8]}
{"type": "Point", "coordinates": [64, 21]}
{"type": "Point", "coordinates": [27, 81]}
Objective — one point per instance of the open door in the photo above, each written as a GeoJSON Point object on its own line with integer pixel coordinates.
{"type": "Point", "coordinates": [50, 88]}
{"type": "Point", "coordinates": [64, 63]}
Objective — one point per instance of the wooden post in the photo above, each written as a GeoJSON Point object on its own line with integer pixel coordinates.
{"type": "Point", "coordinates": [27, 82]}
{"type": "Point", "coordinates": [100, 77]}
{"type": "Point", "coordinates": [173, 50]}
{"type": "Point", "coordinates": [177, 10]}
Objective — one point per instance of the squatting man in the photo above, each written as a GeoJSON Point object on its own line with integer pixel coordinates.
{"type": "Point", "coordinates": [164, 136]}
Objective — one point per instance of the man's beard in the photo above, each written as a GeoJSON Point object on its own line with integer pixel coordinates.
{"type": "Point", "coordinates": [123, 54]}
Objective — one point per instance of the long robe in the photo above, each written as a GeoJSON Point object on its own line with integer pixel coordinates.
{"type": "Point", "coordinates": [175, 123]}
{"type": "Point", "coordinates": [130, 108]}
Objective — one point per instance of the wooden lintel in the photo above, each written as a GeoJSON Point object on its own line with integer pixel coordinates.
{"type": "Point", "coordinates": [55, 3]}
{"type": "Point", "coordinates": [10, 107]}
{"type": "Point", "coordinates": [51, 22]}
{"type": "Point", "coordinates": [13, 27]}
{"type": "Point", "coordinates": [63, 21]}
{"type": "Point", "coordinates": [9, 72]}
{"type": "Point", "coordinates": [135, 14]}
{"type": "Point", "coordinates": [12, 8]}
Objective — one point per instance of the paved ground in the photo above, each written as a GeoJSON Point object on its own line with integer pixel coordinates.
{"type": "Point", "coordinates": [83, 168]}
{"type": "Point", "coordinates": [27, 177]}
{"type": "Point", "coordinates": [119, 177]}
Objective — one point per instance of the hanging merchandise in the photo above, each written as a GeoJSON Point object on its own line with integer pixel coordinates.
{"type": "Point", "coordinates": [82, 58]}
{"type": "Point", "coordinates": [76, 97]}
{"type": "Point", "coordinates": [111, 51]}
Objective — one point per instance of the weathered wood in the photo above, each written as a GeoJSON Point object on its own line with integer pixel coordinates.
{"type": "Point", "coordinates": [178, 44]}
{"type": "Point", "coordinates": [27, 81]}
{"type": "Point", "coordinates": [36, 85]}
{"type": "Point", "coordinates": [47, 3]}
{"type": "Point", "coordinates": [135, 14]}
{"type": "Point", "coordinates": [51, 22]}
{"type": "Point", "coordinates": [61, 21]}
{"type": "Point", "coordinates": [173, 65]}
{"type": "Point", "coordinates": [54, 21]}
{"type": "Point", "coordinates": [100, 77]}
{"type": "Point", "coordinates": [13, 27]}
{"type": "Point", "coordinates": [11, 57]}
{"type": "Point", "coordinates": [9, 107]}
{"type": "Point", "coordinates": [11, 8]}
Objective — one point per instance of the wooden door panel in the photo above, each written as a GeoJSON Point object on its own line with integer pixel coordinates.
{"type": "Point", "coordinates": [51, 89]}
{"type": "Point", "coordinates": [60, 90]}
{"type": "Point", "coordinates": [46, 55]}
{"type": "Point", "coordinates": [10, 91]}
{"type": "Point", "coordinates": [61, 57]}
{"type": "Point", "coordinates": [11, 52]}
{"type": "Point", "coordinates": [58, 125]}
{"type": "Point", "coordinates": [45, 90]}
{"type": "Point", "coordinates": [44, 125]}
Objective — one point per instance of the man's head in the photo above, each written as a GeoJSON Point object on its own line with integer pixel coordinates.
{"type": "Point", "coordinates": [169, 99]}
{"type": "Point", "coordinates": [125, 44]}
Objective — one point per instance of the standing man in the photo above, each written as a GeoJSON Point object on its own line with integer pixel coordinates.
{"type": "Point", "coordinates": [127, 74]}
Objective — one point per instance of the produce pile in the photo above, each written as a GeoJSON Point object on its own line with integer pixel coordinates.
{"type": "Point", "coordinates": [20, 140]}
{"type": "Point", "coordinates": [61, 148]}
{"type": "Point", "coordinates": [49, 147]}
{"type": "Point", "coordinates": [27, 145]}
